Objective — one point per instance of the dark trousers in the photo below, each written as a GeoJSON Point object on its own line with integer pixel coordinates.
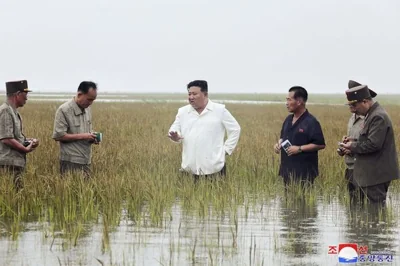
{"type": "Point", "coordinates": [17, 172]}
{"type": "Point", "coordinates": [222, 172]}
{"type": "Point", "coordinates": [372, 194]}
{"type": "Point", "coordinates": [69, 167]}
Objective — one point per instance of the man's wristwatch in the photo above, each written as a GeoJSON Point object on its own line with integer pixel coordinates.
{"type": "Point", "coordinates": [300, 150]}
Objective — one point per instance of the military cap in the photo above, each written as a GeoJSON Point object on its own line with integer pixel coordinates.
{"type": "Point", "coordinates": [358, 93]}
{"type": "Point", "coordinates": [16, 86]}
{"type": "Point", "coordinates": [353, 84]}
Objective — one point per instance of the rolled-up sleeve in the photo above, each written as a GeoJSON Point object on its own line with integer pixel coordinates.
{"type": "Point", "coordinates": [6, 125]}
{"type": "Point", "coordinates": [60, 125]}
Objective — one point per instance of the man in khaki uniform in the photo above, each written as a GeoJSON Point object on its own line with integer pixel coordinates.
{"type": "Point", "coordinates": [73, 129]}
{"type": "Point", "coordinates": [13, 144]}
{"type": "Point", "coordinates": [376, 163]}
{"type": "Point", "coordinates": [354, 127]}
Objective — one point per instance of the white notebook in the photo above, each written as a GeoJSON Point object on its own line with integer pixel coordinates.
{"type": "Point", "coordinates": [286, 144]}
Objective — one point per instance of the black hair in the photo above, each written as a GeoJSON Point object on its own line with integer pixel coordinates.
{"type": "Point", "coordinates": [299, 92]}
{"type": "Point", "coordinates": [199, 83]}
{"type": "Point", "coordinates": [86, 85]}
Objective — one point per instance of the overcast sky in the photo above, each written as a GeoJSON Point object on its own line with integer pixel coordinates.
{"type": "Point", "coordinates": [237, 46]}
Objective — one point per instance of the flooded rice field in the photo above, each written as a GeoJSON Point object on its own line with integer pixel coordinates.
{"type": "Point", "coordinates": [138, 210]}
{"type": "Point", "coordinates": [283, 231]}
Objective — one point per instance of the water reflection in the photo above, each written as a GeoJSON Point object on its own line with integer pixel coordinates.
{"type": "Point", "coordinates": [300, 229]}
{"type": "Point", "coordinates": [373, 226]}
{"type": "Point", "coordinates": [282, 231]}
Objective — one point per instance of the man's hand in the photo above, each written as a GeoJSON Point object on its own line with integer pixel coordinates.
{"type": "Point", "coordinates": [346, 139]}
{"type": "Point", "coordinates": [29, 148]}
{"type": "Point", "coordinates": [293, 150]}
{"type": "Point", "coordinates": [173, 135]}
{"type": "Point", "coordinates": [277, 147]}
{"type": "Point", "coordinates": [340, 151]}
{"type": "Point", "coordinates": [346, 145]}
{"type": "Point", "coordinates": [94, 141]}
{"type": "Point", "coordinates": [91, 137]}
{"type": "Point", "coordinates": [347, 152]}
{"type": "Point", "coordinates": [35, 142]}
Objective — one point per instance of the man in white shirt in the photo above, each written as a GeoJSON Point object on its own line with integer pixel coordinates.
{"type": "Point", "coordinates": [200, 126]}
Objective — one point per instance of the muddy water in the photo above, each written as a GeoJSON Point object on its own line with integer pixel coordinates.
{"type": "Point", "coordinates": [278, 232]}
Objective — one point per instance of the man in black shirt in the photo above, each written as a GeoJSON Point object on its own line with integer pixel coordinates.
{"type": "Point", "coordinates": [299, 158]}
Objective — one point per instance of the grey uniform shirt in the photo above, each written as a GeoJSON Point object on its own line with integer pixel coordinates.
{"type": "Point", "coordinates": [11, 128]}
{"type": "Point", "coordinates": [353, 131]}
{"type": "Point", "coordinates": [71, 119]}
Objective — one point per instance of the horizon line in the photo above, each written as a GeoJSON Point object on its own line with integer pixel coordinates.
{"type": "Point", "coordinates": [159, 92]}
